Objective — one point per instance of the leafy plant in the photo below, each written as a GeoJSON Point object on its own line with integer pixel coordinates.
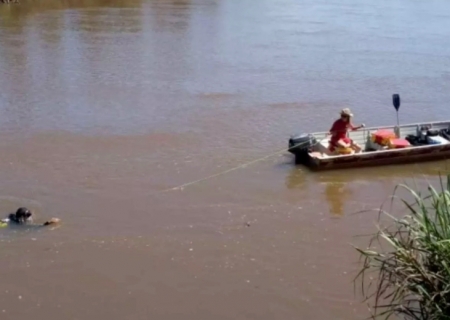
{"type": "Point", "coordinates": [412, 277]}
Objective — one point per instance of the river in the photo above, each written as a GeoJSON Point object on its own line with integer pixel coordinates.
{"type": "Point", "coordinates": [105, 106]}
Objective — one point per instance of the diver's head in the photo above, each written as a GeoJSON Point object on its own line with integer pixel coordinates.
{"type": "Point", "coordinates": [23, 215]}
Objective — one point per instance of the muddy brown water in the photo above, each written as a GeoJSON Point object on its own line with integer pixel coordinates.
{"type": "Point", "coordinates": [103, 104]}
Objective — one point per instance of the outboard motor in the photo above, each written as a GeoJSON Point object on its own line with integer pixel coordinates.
{"type": "Point", "coordinates": [300, 145]}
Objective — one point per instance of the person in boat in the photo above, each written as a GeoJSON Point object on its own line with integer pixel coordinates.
{"type": "Point", "coordinates": [23, 216]}
{"type": "Point", "coordinates": [339, 130]}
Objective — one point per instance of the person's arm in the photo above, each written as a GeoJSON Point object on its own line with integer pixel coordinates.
{"type": "Point", "coordinates": [52, 221]}
{"type": "Point", "coordinates": [353, 128]}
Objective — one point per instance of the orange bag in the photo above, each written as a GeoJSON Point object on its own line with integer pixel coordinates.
{"type": "Point", "coordinates": [382, 137]}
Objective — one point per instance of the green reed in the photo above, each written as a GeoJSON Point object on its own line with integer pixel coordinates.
{"type": "Point", "coordinates": [411, 278]}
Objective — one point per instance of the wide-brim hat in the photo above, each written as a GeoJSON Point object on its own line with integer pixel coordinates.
{"type": "Point", "coordinates": [346, 112]}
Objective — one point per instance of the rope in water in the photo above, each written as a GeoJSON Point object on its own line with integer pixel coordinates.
{"type": "Point", "coordinates": [181, 187]}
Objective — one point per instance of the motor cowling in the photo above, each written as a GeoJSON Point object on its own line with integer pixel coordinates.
{"type": "Point", "coordinates": [301, 142]}
{"type": "Point", "coordinates": [300, 145]}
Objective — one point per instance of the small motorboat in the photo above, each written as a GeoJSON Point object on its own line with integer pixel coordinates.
{"type": "Point", "coordinates": [385, 145]}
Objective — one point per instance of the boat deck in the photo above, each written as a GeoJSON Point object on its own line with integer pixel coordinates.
{"type": "Point", "coordinates": [373, 154]}
{"type": "Point", "coordinates": [363, 138]}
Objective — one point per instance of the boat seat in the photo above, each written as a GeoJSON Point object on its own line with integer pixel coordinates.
{"type": "Point", "coordinates": [318, 155]}
{"type": "Point", "coordinates": [323, 146]}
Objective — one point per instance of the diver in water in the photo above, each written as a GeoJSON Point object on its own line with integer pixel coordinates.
{"type": "Point", "coordinates": [23, 216]}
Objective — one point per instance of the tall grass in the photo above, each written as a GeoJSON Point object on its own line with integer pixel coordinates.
{"type": "Point", "coordinates": [411, 278]}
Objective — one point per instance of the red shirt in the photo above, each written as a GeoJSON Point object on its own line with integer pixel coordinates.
{"type": "Point", "coordinates": [339, 130]}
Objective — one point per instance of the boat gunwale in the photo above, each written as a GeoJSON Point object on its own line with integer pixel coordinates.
{"type": "Point", "coordinates": [393, 126]}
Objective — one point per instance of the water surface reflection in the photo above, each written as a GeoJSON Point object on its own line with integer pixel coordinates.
{"type": "Point", "coordinates": [341, 187]}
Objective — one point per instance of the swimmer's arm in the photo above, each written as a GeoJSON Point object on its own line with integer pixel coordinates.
{"type": "Point", "coordinates": [52, 221]}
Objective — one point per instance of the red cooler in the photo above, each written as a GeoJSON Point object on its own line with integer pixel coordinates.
{"type": "Point", "coordinates": [398, 143]}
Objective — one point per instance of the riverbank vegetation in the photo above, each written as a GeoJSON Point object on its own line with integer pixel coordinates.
{"type": "Point", "coordinates": [406, 269]}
